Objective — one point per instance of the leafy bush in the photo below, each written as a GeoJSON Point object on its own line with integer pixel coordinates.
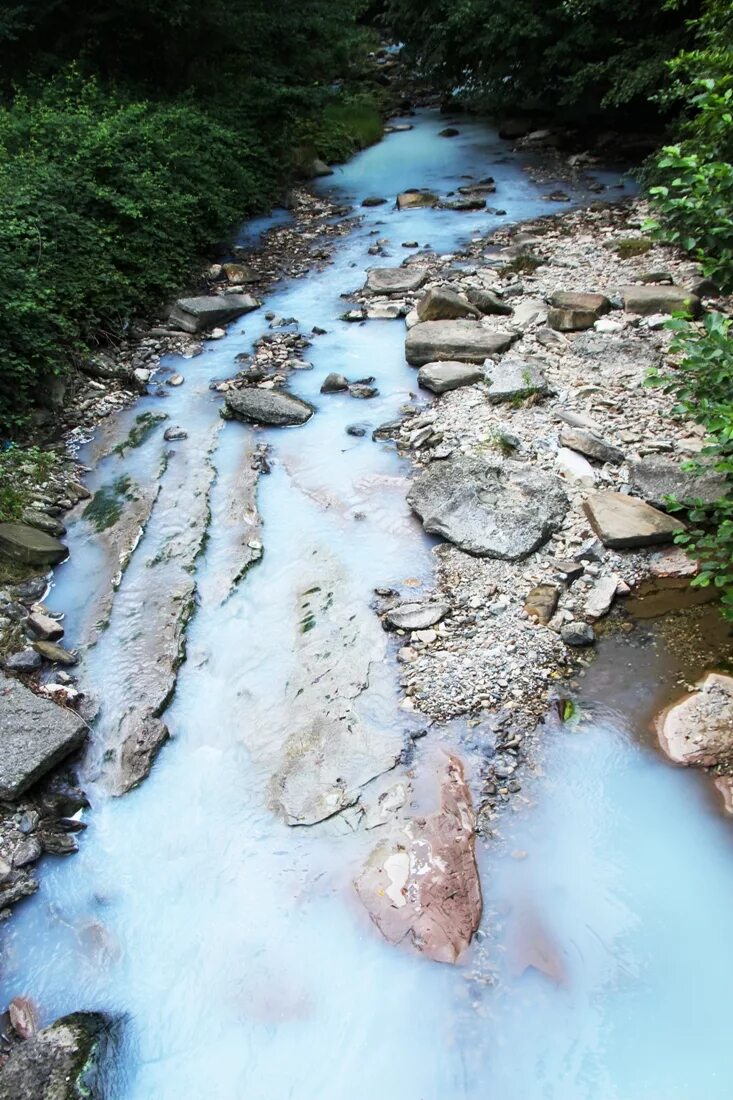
{"type": "Point", "coordinates": [103, 204]}
{"type": "Point", "coordinates": [347, 125]}
{"type": "Point", "coordinates": [693, 179]}
{"type": "Point", "coordinates": [694, 189]}
{"type": "Point", "coordinates": [703, 385]}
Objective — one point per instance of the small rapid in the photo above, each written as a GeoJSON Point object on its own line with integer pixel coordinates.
{"type": "Point", "coordinates": [232, 945]}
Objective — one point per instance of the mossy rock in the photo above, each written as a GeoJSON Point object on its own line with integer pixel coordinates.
{"type": "Point", "coordinates": [61, 1062]}
{"type": "Point", "coordinates": [632, 246]}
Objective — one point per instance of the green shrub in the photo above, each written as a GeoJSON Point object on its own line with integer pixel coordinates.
{"type": "Point", "coordinates": [104, 203]}
{"type": "Point", "coordinates": [693, 191]}
{"type": "Point", "coordinates": [703, 385]}
{"type": "Point", "coordinates": [347, 125]}
{"type": "Point", "coordinates": [693, 178]}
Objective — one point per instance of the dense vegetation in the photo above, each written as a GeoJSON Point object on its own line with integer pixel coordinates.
{"type": "Point", "coordinates": [577, 60]}
{"type": "Point", "coordinates": [132, 135]}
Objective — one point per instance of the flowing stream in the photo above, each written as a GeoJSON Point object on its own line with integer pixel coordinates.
{"type": "Point", "coordinates": [232, 944]}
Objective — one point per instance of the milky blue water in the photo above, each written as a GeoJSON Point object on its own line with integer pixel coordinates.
{"type": "Point", "coordinates": [233, 946]}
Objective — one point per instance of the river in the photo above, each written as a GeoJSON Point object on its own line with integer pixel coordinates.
{"type": "Point", "coordinates": [232, 945]}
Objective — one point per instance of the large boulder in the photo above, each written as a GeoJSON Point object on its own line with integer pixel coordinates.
{"type": "Point", "coordinates": [421, 886]}
{"type": "Point", "coordinates": [574, 312]}
{"type": "Point", "coordinates": [461, 341]}
{"type": "Point", "coordinates": [441, 377]}
{"type": "Point", "coordinates": [414, 199]}
{"type": "Point", "coordinates": [29, 545]}
{"type": "Point", "coordinates": [35, 734]}
{"type": "Point", "coordinates": [275, 407]}
{"type": "Point", "coordinates": [59, 1062]}
{"type": "Point", "coordinates": [622, 522]}
{"type": "Point", "coordinates": [196, 314]}
{"type": "Point", "coordinates": [492, 510]}
{"type": "Point", "coordinates": [646, 300]}
{"type": "Point", "coordinates": [395, 280]}
{"type": "Point", "coordinates": [698, 729]}
{"type": "Point", "coordinates": [514, 379]}
{"type": "Point", "coordinates": [655, 478]}
{"type": "Point", "coordinates": [319, 168]}
{"type": "Point", "coordinates": [443, 304]}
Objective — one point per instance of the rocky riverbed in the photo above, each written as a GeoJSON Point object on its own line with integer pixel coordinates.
{"type": "Point", "coordinates": [539, 342]}
{"type": "Point", "coordinates": [537, 456]}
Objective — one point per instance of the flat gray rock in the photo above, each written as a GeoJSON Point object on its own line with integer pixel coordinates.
{"type": "Point", "coordinates": [622, 522]}
{"type": "Point", "coordinates": [143, 736]}
{"type": "Point", "coordinates": [514, 379]}
{"type": "Point", "coordinates": [395, 280]}
{"type": "Point", "coordinates": [654, 478]}
{"type": "Point", "coordinates": [600, 598]}
{"type": "Point", "coordinates": [274, 407]}
{"type": "Point", "coordinates": [529, 312]}
{"type": "Point", "coordinates": [25, 660]}
{"type": "Point", "coordinates": [646, 300]}
{"type": "Point", "coordinates": [590, 444]}
{"type": "Point", "coordinates": [28, 545]}
{"type": "Point", "coordinates": [574, 312]}
{"type": "Point", "coordinates": [493, 510]}
{"type": "Point", "coordinates": [461, 341]}
{"type": "Point", "coordinates": [443, 304]}
{"type": "Point", "coordinates": [487, 302]}
{"type": "Point", "coordinates": [441, 377]}
{"type": "Point", "coordinates": [573, 299]}
{"type": "Point", "coordinates": [56, 1063]}
{"type": "Point", "coordinates": [416, 616]}
{"type": "Point", "coordinates": [35, 734]}
{"type": "Point", "coordinates": [326, 765]}
{"type": "Point", "coordinates": [195, 314]}
{"type": "Point", "coordinates": [578, 634]}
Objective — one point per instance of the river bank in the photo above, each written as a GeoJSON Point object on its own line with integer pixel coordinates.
{"type": "Point", "coordinates": [245, 675]}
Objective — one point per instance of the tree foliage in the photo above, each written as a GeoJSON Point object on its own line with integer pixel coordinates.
{"type": "Point", "coordinates": [692, 179]}
{"type": "Point", "coordinates": [701, 379]}
{"type": "Point", "coordinates": [575, 58]}
{"type": "Point", "coordinates": [143, 130]}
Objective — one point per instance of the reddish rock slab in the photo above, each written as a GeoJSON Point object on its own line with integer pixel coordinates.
{"type": "Point", "coordinates": [724, 784]}
{"type": "Point", "coordinates": [421, 886]}
{"type": "Point", "coordinates": [672, 563]}
{"type": "Point", "coordinates": [698, 730]}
